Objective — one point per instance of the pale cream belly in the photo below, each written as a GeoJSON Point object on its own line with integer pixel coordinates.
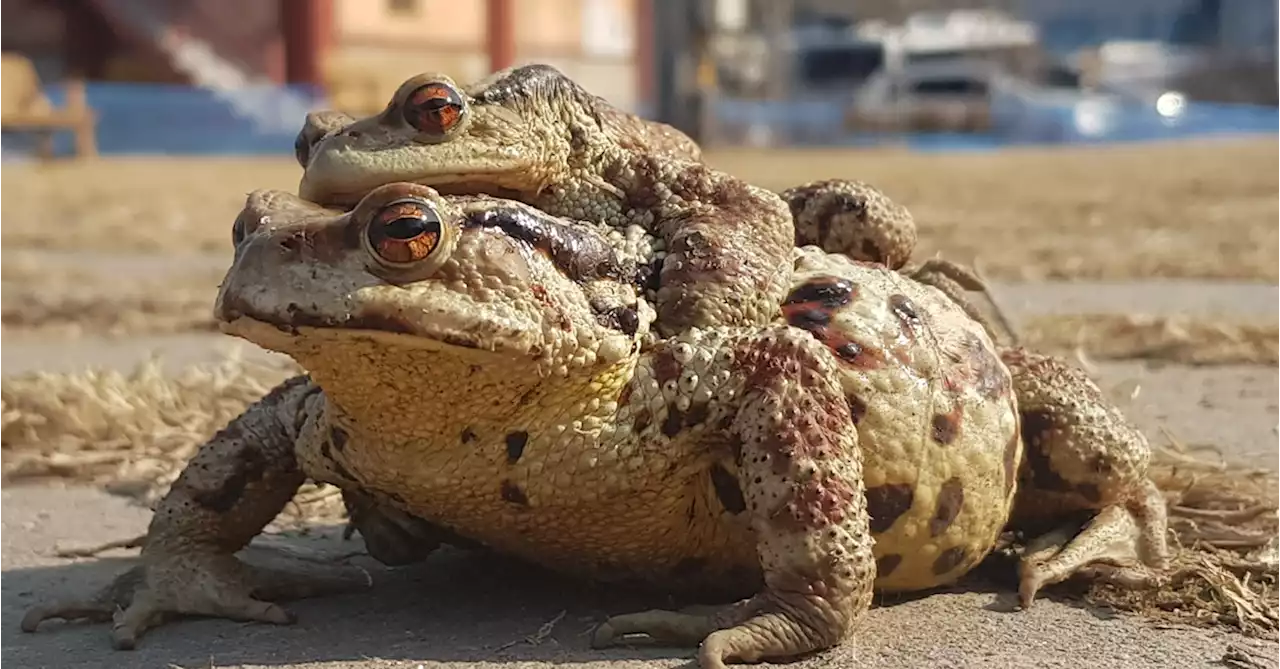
{"type": "Point", "coordinates": [673, 532]}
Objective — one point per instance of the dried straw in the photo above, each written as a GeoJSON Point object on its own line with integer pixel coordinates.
{"type": "Point", "coordinates": [133, 433]}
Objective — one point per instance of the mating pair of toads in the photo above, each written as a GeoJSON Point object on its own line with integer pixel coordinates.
{"type": "Point", "coordinates": [540, 324]}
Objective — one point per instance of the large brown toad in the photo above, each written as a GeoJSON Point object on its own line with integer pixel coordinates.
{"type": "Point", "coordinates": [727, 458]}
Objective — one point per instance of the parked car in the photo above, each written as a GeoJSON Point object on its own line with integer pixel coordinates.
{"type": "Point", "coordinates": [948, 96]}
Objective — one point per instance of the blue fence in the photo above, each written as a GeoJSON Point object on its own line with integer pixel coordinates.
{"type": "Point", "coordinates": [157, 119]}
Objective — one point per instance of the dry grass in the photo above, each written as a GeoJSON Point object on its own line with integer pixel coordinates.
{"type": "Point", "coordinates": [60, 298]}
{"type": "Point", "coordinates": [1225, 571]}
{"type": "Point", "coordinates": [1204, 209]}
{"type": "Point", "coordinates": [133, 433]}
{"type": "Point", "coordinates": [165, 309]}
{"type": "Point", "coordinates": [1199, 209]}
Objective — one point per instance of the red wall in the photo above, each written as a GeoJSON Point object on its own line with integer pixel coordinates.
{"type": "Point", "coordinates": [245, 32]}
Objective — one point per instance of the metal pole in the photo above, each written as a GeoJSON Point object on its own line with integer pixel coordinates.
{"type": "Point", "coordinates": [671, 33]}
{"type": "Point", "coordinates": [644, 61]}
{"type": "Point", "coordinates": [501, 34]}
{"type": "Point", "coordinates": [778, 23]}
{"type": "Point", "coordinates": [702, 90]}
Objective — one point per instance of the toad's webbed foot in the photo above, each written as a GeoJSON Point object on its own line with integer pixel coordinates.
{"type": "Point", "coordinates": [205, 585]}
{"type": "Point", "coordinates": [686, 627]}
{"type": "Point", "coordinates": [800, 471]}
{"type": "Point", "coordinates": [236, 484]}
{"type": "Point", "coordinates": [1082, 455]}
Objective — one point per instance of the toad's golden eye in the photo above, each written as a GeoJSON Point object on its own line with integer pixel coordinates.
{"type": "Point", "coordinates": [404, 232]}
{"type": "Point", "coordinates": [434, 108]}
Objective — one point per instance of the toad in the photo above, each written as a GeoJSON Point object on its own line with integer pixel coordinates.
{"type": "Point", "coordinates": [726, 459]}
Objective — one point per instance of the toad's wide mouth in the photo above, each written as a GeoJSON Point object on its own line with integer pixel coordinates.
{"type": "Point", "coordinates": [306, 342]}
{"type": "Point", "coordinates": [349, 196]}
{"type": "Point", "coordinates": [340, 178]}
{"type": "Point", "coordinates": [295, 327]}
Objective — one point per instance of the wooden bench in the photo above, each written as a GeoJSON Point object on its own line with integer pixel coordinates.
{"type": "Point", "coordinates": [24, 107]}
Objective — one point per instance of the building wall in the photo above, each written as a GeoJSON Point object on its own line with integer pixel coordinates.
{"type": "Point", "coordinates": [377, 44]}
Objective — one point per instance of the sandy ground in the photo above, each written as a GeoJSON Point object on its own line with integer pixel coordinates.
{"type": "Point", "coordinates": [1200, 210]}
{"type": "Point", "coordinates": [1216, 216]}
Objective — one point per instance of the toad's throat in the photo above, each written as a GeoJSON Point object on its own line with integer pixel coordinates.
{"type": "Point", "coordinates": [419, 387]}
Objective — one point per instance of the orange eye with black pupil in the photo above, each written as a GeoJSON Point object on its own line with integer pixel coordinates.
{"type": "Point", "coordinates": [404, 232]}
{"type": "Point", "coordinates": [433, 108]}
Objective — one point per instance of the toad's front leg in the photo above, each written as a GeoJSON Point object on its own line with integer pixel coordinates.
{"type": "Point", "coordinates": [800, 469]}
{"type": "Point", "coordinates": [728, 244]}
{"type": "Point", "coordinates": [230, 490]}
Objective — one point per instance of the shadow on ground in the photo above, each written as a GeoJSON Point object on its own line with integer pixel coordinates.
{"type": "Point", "coordinates": [473, 609]}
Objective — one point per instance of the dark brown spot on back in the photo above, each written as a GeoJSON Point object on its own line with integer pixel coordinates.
{"type": "Point", "coordinates": [824, 292]}
{"type": "Point", "coordinates": [851, 352]}
{"type": "Point", "coordinates": [950, 500]}
{"type": "Point", "coordinates": [905, 311]}
{"type": "Point", "coordinates": [727, 490]}
{"type": "Point", "coordinates": [516, 442]}
{"type": "Point", "coordinates": [946, 426]}
{"type": "Point", "coordinates": [808, 319]}
{"type": "Point", "coordinates": [623, 319]}
{"type": "Point", "coordinates": [1035, 426]}
{"type": "Point", "coordinates": [948, 560]}
{"type": "Point", "coordinates": [468, 435]}
{"type": "Point", "coordinates": [513, 494]}
{"type": "Point", "coordinates": [887, 503]}
{"type": "Point", "coordinates": [624, 397]}
{"type": "Point", "coordinates": [886, 564]}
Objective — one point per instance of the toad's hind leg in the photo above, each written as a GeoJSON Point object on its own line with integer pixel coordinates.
{"type": "Point", "coordinates": [230, 490]}
{"type": "Point", "coordinates": [1119, 537]}
{"type": "Point", "coordinates": [1082, 455]}
{"type": "Point", "coordinates": [800, 470]}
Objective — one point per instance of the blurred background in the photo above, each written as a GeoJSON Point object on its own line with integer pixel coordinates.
{"type": "Point", "coordinates": [235, 76]}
